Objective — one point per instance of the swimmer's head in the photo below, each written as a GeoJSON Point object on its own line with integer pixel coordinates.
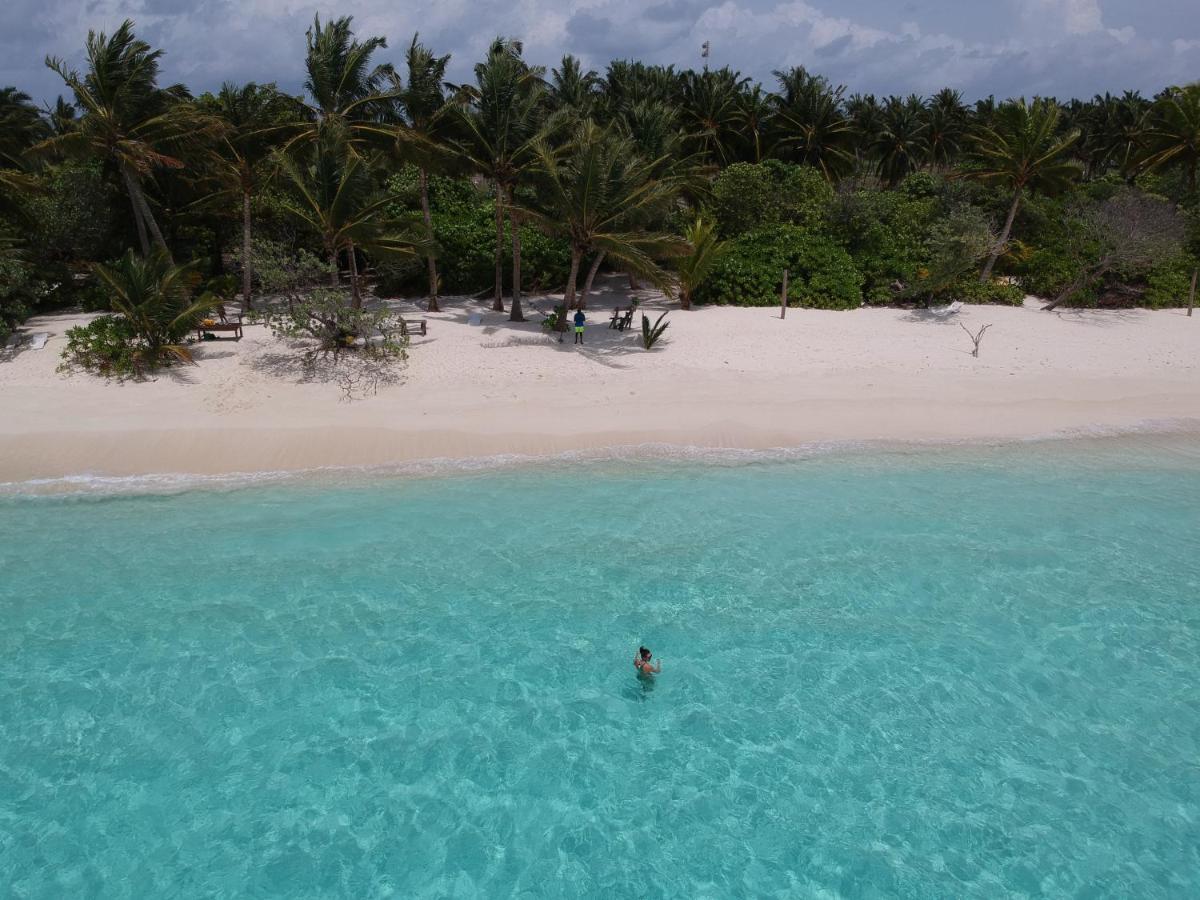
{"type": "Point", "coordinates": [644, 652]}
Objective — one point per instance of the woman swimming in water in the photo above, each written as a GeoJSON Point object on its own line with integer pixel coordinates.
{"type": "Point", "coordinates": [641, 662]}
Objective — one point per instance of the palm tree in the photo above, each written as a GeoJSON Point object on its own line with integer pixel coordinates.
{"type": "Point", "coordinates": [21, 126]}
{"type": "Point", "coordinates": [1021, 151]}
{"type": "Point", "coordinates": [127, 119]}
{"type": "Point", "coordinates": [337, 200]}
{"type": "Point", "coordinates": [348, 94]}
{"type": "Point", "coordinates": [156, 297]}
{"type": "Point", "coordinates": [573, 89]}
{"type": "Point", "coordinates": [946, 121]}
{"type": "Point", "coordinates": [61, 118]}
{"type": "Point", "coordinates": [594, 192]}
{"type": "Point", "coordinates": [502, 122]}
{"type": "Point", "coordinates": [251, 114]}
{"type": "Point", "coordinates": [866, 122]}
{"type": "Point", "coordinates": [754, 120]}
{"type": "Point", "coordinates": [425, 120]}
{"type": "Point", "coordinates": [711, 106]}
{"type": "Point", "coordinates": [900, 144]}
{"type": "Point", "coordinates": [811, 124]}
{"type": "Point", "coordinates": [706, 251]}
{"type": "Point", "coordinates": [1174, 133]}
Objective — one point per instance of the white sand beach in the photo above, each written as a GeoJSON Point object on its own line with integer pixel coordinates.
{"type": "Point", "coordinates": [723, 377]}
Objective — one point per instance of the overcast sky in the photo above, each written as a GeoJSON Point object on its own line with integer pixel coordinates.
{"type": "Point", "coordinates": [1004, 47]}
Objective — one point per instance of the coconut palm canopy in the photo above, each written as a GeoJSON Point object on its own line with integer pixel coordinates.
{"type": "Point", "coordinates": [525, 177]}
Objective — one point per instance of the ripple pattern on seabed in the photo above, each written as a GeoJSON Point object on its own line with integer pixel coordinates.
{"type": "Point", "coordinates": [952, 674]}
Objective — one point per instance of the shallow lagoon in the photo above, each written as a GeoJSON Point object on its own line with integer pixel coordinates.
{"type": "Point", "coordinates": [923, 673]}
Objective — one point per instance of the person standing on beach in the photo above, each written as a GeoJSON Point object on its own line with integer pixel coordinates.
{"type": "Point", "coordinates": [580, 318]}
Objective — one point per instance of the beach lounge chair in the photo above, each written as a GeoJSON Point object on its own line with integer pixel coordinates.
{"type": "Point", "coordinates": [38, 341]}
{"type": "Point", "coordinates": [213, 327]}
{"type": "Point", "coordinates": [475, 319]}
{"type": "Point", "coordinates": [414, 326]}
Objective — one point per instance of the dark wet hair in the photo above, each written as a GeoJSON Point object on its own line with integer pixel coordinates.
{"type": "Point", "coordinates": [644, 652]}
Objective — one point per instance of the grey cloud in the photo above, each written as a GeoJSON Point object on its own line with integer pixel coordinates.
{"type": "Point", "coordinates": [1007, 47]}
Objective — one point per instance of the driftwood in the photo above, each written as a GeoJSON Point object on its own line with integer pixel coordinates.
{"type": "Point", "coordinates": [975, 338]}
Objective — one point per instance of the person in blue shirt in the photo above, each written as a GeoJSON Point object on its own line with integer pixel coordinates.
{"type": "Point", "coordinates": [580, 318]}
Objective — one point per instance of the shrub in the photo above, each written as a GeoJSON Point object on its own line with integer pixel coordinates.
{"type": "Point", "coordinates": [464, 232]}
{"type": "Point", "coordinates": [1170, 282]}
{"type": "Point", "coordinates": [887, 235]}
{"type": "Point", "coordinates": [652, 334]}
{"type": "Point", "coordinates": [747, 197]}
{"type": "Point", "coordinates": [105, 346]}
{"type": "Point", "coordinates": [326, 316]}
{"type": "Point", "coordinates": [157, 307]}
{"type": "Point", "coordinates": [821, 273]}
{"type": "Point", "coordinates": [970, 290]}
{"type": "Point", "coordinates": [20, 292]}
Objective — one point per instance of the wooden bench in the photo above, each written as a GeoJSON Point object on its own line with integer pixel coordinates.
{"type": "Point", "coordinates": [621, 318]}
{"type": "Point", "coordinates": [414, 326]}
{"type": "Point", "coordinates": [234, 328]}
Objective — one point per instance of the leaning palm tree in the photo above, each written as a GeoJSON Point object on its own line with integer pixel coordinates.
{"type": "Point", "coordinates": [157, 298]}
{"type": "Point", "coordinates": [1020, 151]}
{"type": "Point", "coordinates": [1174, 133]}
{"type": "Point", "coordinates": [502, 118]}
{"type": "Point", "coordinates": [426, 115]}
{"type": "Point", "coordinates": [705, 250]}
{"type": "Point", "coordinates": [251, 114]}
{"type": "Point", "coordinates": [593, 193]}
{"type": "Point", "coordinates": [127, 121]}
{"type": "Point", "coordinates": [336, 199]}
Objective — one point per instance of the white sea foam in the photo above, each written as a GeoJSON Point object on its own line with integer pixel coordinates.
{"type": "Point", "coordinates": [1182, 437]}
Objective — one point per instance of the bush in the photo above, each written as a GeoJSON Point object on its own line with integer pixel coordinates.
{"type": "Point", "coordinates": [1170, 282]}
{"type": "Point", "coordinates": [466, 257]}
{"type": "Point", "coordinates": [887, 235]}
{"type": "Point", "coordinates": [970, 290]}
{"type": "Point", "coordinates": [820, 273]}
{"type": "Point", "coordinates": [747, 197]}
{"type": "Point", "coordinates": [105, 346]}
{"type": "Point", "coordinates": [20, 292]}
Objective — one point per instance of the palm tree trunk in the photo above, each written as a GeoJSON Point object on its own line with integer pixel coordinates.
{"type": "Point", "coordinates": [986, 275]}
{"type": "Point", "coordinates": [143, 239]}
{"type": "Point", "coordinates": [247, 265]}
{"type": "Point", "coordinates": [569, 293]}
{"type": "Point", "coordinates": [432, 306]}
{"type": "Point", "coordinates": [1079, 283]}
{"type": "Point", "coordinates": [591, 276]}
{"type": "Point", "coordinates": [515, 309]}
{"type": "Point", "coordinates": [498, 300]}
{"type": "Point", "coordinates": [333, 267]}
{"type": "Point", "coordinates": [139, 198]}
{"type": "Point", "coordinates": [355, 294]}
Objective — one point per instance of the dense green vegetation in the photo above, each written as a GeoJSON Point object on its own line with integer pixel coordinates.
{"type": "Point", "coordinates": [386, 178]}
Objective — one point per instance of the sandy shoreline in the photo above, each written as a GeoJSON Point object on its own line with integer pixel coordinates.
{"type": "Point", "coordinates": [726, 378]}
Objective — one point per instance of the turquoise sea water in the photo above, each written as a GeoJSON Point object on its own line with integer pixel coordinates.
{"type": "Point", "coordinates": [933, 673]}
